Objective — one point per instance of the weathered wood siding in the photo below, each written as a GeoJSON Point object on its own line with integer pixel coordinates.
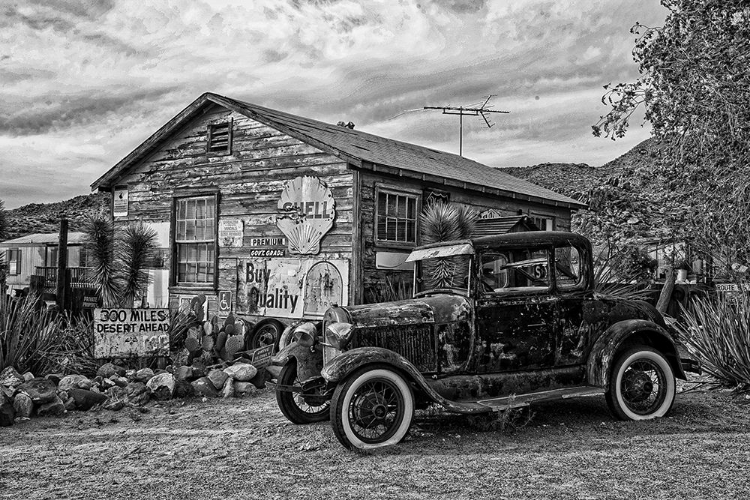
{"type": "Point", "coordinates": [374, 279]}
{"type": "Point", "coordinates": [249, 182]}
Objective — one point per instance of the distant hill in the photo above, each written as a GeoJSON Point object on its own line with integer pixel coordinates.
{"type": "Point", "coordinates": [45, 217]}
{"type": "Point", "coordinates": [576, 180]}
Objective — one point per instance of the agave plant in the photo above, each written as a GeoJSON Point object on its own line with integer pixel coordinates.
{"type": "Point", "coordinates": [717, 331]}
{"type": "Point", "coordinates": [445, 222]}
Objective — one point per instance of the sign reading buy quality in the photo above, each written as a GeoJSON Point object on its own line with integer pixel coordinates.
{"type": "Point", "coordinates": [121, 333]}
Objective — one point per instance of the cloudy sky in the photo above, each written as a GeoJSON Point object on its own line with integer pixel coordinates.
{"type": "Point", "coordinates": [82, 83]}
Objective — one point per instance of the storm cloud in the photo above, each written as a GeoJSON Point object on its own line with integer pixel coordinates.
{"type": "Point", "coordinates": [83, 83]}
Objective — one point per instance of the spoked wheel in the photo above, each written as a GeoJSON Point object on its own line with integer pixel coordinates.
{"type": "Point", "coordinates": [642, 385]}
{"type": "Point", "coordinates": [266, 334]}
{"type": "Point", "coordinates": [300, 408]}
{"type": "Point", "coordinates": [372, 408]}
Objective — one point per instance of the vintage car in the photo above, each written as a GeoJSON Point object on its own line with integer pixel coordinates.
{"type": "Point", "coordinates": [495, 322]}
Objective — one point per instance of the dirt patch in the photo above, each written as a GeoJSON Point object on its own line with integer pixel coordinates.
{"type": "Point", "coordinates": [245, 448]}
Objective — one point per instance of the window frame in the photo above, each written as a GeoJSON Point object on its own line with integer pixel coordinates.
{"type": "Point", "coordinates": [175, 243]}
{"type": "Point", "coordinates": [551, 218]}
{"type": "Point", "coordinates": [210, 131]}
{"type": "Point", "coordinates": [16, 261]}
{"type": "Point", "coordinates": [416, 195]}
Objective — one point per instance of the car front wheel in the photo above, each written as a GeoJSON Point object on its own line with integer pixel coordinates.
{"type": "Point", "coordinates": [372, 408]}
{"type": "Point", "coordinates": [642, 385]}
{"type": "Point", "coordinates": [299, 408]}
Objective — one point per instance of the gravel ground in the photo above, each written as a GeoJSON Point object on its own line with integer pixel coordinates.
{"type": "Point", "coordinates": [245, 448]}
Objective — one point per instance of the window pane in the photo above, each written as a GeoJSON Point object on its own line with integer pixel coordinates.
{"type": "Point", "coordinates": [391, 208]}
{"type": "Point", "coordinates": [401, 206]}
{"type": "Point", "coordinates": [401, 230]}
{"type": "Point", "coordinates": [412, 213]}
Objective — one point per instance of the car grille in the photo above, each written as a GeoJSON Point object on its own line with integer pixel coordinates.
{"type": "Point", "coordinates": [414, 342]}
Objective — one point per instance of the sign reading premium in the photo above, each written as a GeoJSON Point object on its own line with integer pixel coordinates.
{"type": "Point", "coordinates": [267, 247]}
{"type": "Point", "coordinates": [131, 332]}
{"type": "Point", "coordinates": [230, 233]}
{"type": "Point", "coordinates": [308, 211]}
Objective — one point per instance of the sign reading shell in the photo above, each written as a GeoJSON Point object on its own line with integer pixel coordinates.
{"type": "Point", "coordinates": [308, 211]}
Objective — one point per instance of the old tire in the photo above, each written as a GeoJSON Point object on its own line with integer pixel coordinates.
{"type": "Point", "coordinates": [293, 405]}
{"type": "Point", "coordinates": [372, 408]}
{"type": "Point", "coordinates": [641, 386]}
{"type": "Point", "coordinates": [267, 333]}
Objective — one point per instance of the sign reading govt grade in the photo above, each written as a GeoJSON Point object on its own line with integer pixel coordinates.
{"type": "Point", "coordinates": [122, 333]}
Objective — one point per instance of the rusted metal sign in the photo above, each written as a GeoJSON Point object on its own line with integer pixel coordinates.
{"type": "Point", "coordinates": [123, 333]}
{"type": "Point", "coordinates": [230, 233]}
{"type": "Point", "coordinates": [308, 211]}
{"type": "Point", "coordinates": [261, 357]}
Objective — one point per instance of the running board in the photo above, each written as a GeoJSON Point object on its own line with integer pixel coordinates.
{"type": "Point", "coordinates": [521, 400]}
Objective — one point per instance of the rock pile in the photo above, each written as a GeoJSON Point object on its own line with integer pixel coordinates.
{"type": "Point", "coordinates": [113, 388]}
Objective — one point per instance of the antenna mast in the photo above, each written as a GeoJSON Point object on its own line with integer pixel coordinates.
{"type": "Point", "coordinates": [482, 111]}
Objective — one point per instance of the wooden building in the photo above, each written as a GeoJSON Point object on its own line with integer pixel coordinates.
{"type": "Point", "coordinates": [275, 216]}
{"type": "Point", "coordinates": [36, 255]}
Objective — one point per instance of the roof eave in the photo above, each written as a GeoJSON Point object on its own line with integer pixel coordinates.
{"type": "Point", "coordinates": [404, 172]}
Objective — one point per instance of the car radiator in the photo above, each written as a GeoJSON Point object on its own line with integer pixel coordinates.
{"type": "Point", "coordinates": [414, 342]}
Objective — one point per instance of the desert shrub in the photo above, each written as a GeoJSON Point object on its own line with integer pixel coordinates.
{"type": "Point", "coordinates": [716, 330]}
{"type": "Point", "coordinates": [41, 341]}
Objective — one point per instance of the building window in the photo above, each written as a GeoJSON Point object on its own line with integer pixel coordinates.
{"type": "Point", "coordinates": [220, 138]}
{"type": "Point", "coordinates": [544, 223]}
{"type": "Point", "coordinates": [396, 217]}
{"type": "Point", "coordinates": [14, 261]}
{"type": "Point", "coordinates": [195, 239]}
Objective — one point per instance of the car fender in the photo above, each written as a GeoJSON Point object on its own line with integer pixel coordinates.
{"type": "Point", "coordinates": [309, 359]}
{"type": "Point", "coordinates": [347, 362]}
{"type": "Point", "coordinates": [602, 356]}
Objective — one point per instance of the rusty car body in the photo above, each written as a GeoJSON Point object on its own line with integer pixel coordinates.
{"type": "Point", "coordinates": [495, 322]}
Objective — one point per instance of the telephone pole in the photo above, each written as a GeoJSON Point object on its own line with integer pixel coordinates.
{"type": "Point", "coordinates": [482, 111]}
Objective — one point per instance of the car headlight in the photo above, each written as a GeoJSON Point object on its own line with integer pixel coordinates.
{"type": "Point", "coordinates": [338, 335]}
{"type": "Point", "coordinates": [306, 334]}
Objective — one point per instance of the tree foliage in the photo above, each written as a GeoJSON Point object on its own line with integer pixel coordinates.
{"type": "Point", "coordinates": [694, 87]}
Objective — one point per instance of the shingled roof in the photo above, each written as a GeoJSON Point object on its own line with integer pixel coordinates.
{"type": "Point", "coordinates": [361, 149]}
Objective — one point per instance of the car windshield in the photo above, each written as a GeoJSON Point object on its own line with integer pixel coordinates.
{"type": "Point", "coordinates": [443, 268]}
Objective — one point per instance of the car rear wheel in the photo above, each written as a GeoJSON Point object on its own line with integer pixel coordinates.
{"type": "Point", "coordinates": [642, 385]}
{"type": "Point", "coordinates": [299, 408]}
{"type": "Point", "coordinates": [372, 408]}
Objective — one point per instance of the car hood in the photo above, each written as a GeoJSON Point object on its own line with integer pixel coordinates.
{"type": "Point", "coordinates": [434, 309]}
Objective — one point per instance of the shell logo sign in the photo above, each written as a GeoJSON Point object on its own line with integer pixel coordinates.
{"type": "Point", "coordinates": [308, 211]}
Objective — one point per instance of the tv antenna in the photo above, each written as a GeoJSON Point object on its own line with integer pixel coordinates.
{"type": "Point", "coordinates": [483, 110]}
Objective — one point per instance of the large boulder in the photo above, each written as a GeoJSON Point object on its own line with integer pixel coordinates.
{"type": "Point", "coordinates": [85, 400]}
{"type": "Point", "coordinates": [54, 409]}
{"type": "Point", "coordinates": [242, 372]}
{"type": "Point", "coordinates": [162, 385]}
{"type": "Point", "coordinates": [40, 390]}
{"type": "Point", "coordinates": [204, 387]}
{"type": "Point", "coordinates": [23, 405]}
{"type": "Point", "coordinates": [137, 393]}
{"type": "Point", "coordinates": [74, 382]}
{"type": "Point", "coordinates": [183, 389]}
{"type": "Point", "coordinates": [183, 373]}
{"type": "Point", "coordinates": [7, 414]}
{"type": "Point", "coordinates": [217, 378]}
{"type": "Point", "coordinates": [108, 369]}
{"type": "Point", "coordinates": [144, 375]}
{"type": "Point", "coordinates": [244, 389]}
{"type": "Point", "coordinates": [10, 377]}
{"type": "Point", "coordinates": [228, 390]}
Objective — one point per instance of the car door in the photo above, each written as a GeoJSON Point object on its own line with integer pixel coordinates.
{"type": "Point", "coordinates": [514, 311]}
{"type": "Point", "coordinates": [574, 334]}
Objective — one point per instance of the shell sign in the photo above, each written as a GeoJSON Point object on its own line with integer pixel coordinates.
{"type": "Point", "coordinates": [308, 211]}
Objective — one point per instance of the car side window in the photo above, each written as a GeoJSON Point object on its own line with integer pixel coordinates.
{"type": "Point", "coordinates": [514, 271]}
{"type": "Point", "coordinates": [567, 268]}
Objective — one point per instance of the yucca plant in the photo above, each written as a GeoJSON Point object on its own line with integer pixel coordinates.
{"type": "Point", "coordinates": [716, 330]}
{"type": "Point", "coordinates": [100, 241]}
{"type": "Point", "coordinates": [25, 328]}
{"type": "Point", "coordinates": [135, 249]}
{"type": "Point", "coordinates": [442, 221]}
{"type": "Point", "coordinates": [119, 274]}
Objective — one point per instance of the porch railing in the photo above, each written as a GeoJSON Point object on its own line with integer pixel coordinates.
{"type": "Point", "coordinates": [80, 277]}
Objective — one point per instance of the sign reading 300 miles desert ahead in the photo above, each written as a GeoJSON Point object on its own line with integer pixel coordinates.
{"type": "Point", "coordinates": [124, 333]}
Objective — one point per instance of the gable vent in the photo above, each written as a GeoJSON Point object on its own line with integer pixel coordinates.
{"type": "Point", "coordinates": [220, 138]}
